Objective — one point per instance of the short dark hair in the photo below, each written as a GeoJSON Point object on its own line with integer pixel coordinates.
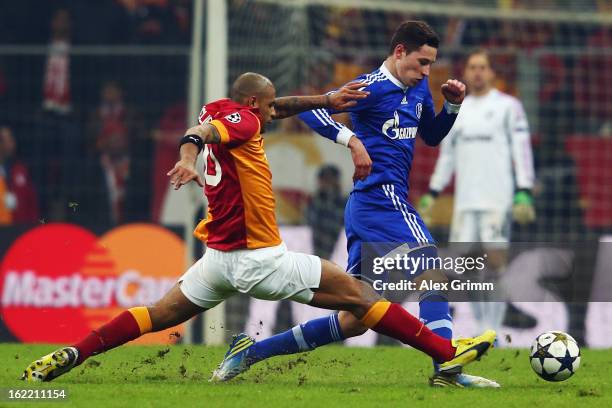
{"type": "Point", "coordinates": [413, 35]}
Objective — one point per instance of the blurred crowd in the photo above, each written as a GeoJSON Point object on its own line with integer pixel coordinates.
{"type": "Point", "coordinates": [99, 21]}
{"type": "Point", "coordinates": [87, 137]}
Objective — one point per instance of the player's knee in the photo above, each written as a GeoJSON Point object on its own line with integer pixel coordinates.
{"type": "Point", "coordinates": [354, 298]}
{"type": "Point", "coordinates": [349, 294]}
{"type": "Point", "coordinates": [362, 299]}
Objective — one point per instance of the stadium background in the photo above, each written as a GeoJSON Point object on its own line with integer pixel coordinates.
{"type": "Point", "coordinates": [97, 93]}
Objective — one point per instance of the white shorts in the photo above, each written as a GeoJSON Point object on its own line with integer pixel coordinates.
{"type": "Point", "coordinates": [266, 273]}
{"type": "Point", "coordinates": [486, 226]}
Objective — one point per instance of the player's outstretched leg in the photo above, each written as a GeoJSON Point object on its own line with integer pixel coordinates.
{"type": "Point", "coordinates": [340, 291]}
{"type": "Point", "coordinates": [244, 351]}
{"type": "Point", "coordinates": [434, 311]}
{"type": "Point", "coordinates": [174, 308]}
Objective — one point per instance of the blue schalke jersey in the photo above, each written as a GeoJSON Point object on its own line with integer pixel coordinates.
{"type": "Point", "coordinates": [387, 123]}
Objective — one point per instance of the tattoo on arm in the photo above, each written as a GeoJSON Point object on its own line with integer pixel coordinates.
{"type": "Point", "coordinates": [213, 136]}
{"type": "Point", "coordinates": [292, 105]}
{"type": "Point", "coordinates": [207, 132]}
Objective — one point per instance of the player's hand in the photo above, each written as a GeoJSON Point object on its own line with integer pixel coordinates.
{"type": "Point", "coordinates": [347, 96]}
{"type": "Point", "coordinates": [425, 205]}
{"type": "Point", "coordinates": [523, 211]}
{"type": "Point", "coordinates": [182, 173]}
{"type": "Point", "coordinates": [453, 91]}
{"type": "Point", "coordinates": [361, 159]}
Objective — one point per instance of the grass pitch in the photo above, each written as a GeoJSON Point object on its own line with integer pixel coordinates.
{"type": "Point", "coordinates": [333, 376]}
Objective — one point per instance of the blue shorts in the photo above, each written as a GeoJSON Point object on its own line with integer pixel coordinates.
{"type": "Point", "coordinates": [382, 217]}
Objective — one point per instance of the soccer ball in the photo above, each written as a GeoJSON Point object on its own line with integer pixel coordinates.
{"type": "Point", "coordinates": [555, 356]}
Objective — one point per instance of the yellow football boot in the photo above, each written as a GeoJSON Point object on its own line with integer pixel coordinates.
{"type": "Point", "coordinates": [51, 366]}
{"type": "Point", "coordinates": [468, 350]}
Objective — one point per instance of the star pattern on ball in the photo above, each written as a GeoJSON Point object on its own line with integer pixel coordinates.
{"type": "Point", "coordinates": [555, 356]}
{"type": "Point", "coordinates": [548, 376]}
{"type": "Point", "coordinates": [562, 337]}
{"type": "Point", "coordinates": [542, 353]}
{"type": "Point", "coordinates": [567, 361]}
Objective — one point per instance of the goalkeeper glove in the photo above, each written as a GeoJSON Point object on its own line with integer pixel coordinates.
{"type": "Point", "coordinates": [522, 209]}
{"type": "Point", "coordinates": [425, 205]}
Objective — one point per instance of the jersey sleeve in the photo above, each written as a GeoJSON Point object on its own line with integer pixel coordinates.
{"type": "Point", "coordinates": [433, 128]}
{"type": "Point", "coordinates": [320, 120]}
{"type": "Point", "coordinates": [204, 116]}
{"type": "Point", "coordinates": [445, 165]}
{"type": "Point", "coordinates": [522, 156]}
{"type": "Point", "coordinates": [361, 104]}
{"type": "Point", "coordinates": [237, 127]}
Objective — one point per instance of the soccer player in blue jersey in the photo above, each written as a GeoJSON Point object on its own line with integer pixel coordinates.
{"type": "Point", "coordinates": [384, 128]}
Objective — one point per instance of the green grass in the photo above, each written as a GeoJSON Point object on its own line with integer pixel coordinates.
{"type": "Point", "coordinates": [326, 378]}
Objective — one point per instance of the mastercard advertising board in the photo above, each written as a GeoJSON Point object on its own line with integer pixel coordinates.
{"type": "Point", "coordinates": [60, 281]}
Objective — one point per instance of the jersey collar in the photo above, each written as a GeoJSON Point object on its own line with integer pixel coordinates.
{"type": "Point", "coordinates": [227, 103]}
{"type": "Point", "coordinates": [391, 78]}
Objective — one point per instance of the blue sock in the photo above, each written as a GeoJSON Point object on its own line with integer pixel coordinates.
{"type": "Point", "coordinates": [435, 313]}
{"type": "Point", "coordinates": [304, 337]}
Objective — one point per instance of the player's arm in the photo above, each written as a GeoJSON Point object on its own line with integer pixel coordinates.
{"type": "Point", "coordinates": [522, 155]}
{"type": "Point", "coordinates": [518, 129]}
{"type": "Point", "coordinates": [206, 132]}
{"type": "Point", "coordinates": [345, 98]}
{"type": "Point", "coordinates": [321, 121]}
{"type": "Point", "coordinates": [191, 145]}
{"type": "Point", "coordinates": [433, 128]}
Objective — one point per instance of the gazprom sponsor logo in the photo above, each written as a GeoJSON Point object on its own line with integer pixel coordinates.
{"type": "Point", "coordinates": [391, 128]}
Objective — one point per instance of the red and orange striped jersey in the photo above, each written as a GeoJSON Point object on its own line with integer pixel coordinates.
{"type": "Point", "coordinates": [238, 181]}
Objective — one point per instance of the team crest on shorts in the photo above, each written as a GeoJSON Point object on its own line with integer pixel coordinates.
{"type": "Point", "coordinates": [233, 117]}
{"type": "Point", "coordinates": [419, 109]}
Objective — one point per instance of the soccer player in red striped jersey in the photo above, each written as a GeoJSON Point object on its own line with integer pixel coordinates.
{"type": "Point", "coordinates": [245, 253]}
